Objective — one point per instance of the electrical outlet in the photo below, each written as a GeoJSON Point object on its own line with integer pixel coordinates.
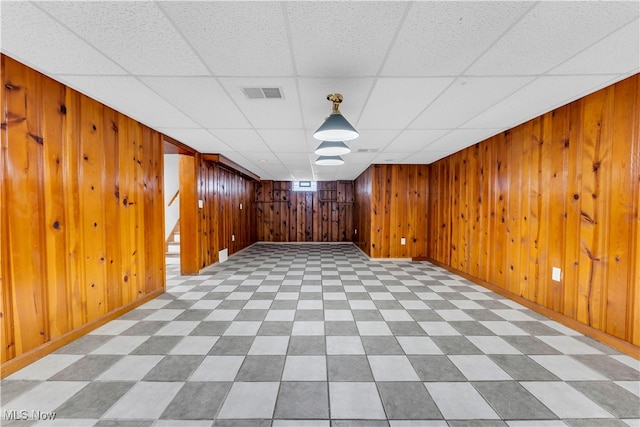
{"type": "Point", "coordinates": [556, 274]}
{"type": "Point", "coordinates": [201, 204]}
{"type": "Point", "coordinates": [355, 231]}
{"type": "Point", "coordinates": [233, 237]}
{"type": "Point", "coordinates": [403, 241]}
{"type": "Point", "coordinates": [240, 206]}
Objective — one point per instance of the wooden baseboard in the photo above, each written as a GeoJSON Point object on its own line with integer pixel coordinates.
{"type": "Point", "coordinates": [605, 338]}
{"type": "Point", "coordinates": [19, 362]}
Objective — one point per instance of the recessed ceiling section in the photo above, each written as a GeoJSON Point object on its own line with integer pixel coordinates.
{"type": "Point", "coordinates": [419, 79]}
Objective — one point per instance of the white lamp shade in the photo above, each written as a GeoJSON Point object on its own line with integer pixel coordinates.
{"type": "Point", "coordinates": [336, 128]}
{"type": "Point", "coordinates": [332, 148]}
{"type": "Point", "coordinates": [329, 161]}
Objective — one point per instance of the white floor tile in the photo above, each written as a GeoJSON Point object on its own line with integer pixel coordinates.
{"type": "Point", "coordinates": [564, 400]}
{"type": "Point", "coordinates": [218, 368]}
{"type": "Point", "coordinates": [120, 345]}
{"type": "Point", "coordinates": [45, 367]}
{"type": "Point", "coordinates": [418, 345]}
{"type": "Point", "coordinates": [449, 398]}
{"type": "Point", "coordinates": [355, 400]}
{"type": "Point", "coordinates": [392, 368]}
{"type": "Point", "coordinates": [493, 345]}
{"type": "Point", "coordinates": [44, 397]}
{"type": "Point", "coordinates": [250, 401]}
{"type": "Point", "coordinates": [130, 368]}
{"type": "Point", "coordinates": [439, 328]}
{"type": "Point", "coordinates": [269, 345]}
{"type": "Point", "coordinates": [305, 368]}
{"type": "Point", "coordinates": [567, 368]}
{"type": "Point", "coordinates": [130, 407]}
{"type": "Point", "coordinates": [194, 345]}
{"type": "Point", "coordinates": [178, 328]}
{"type": "Point", "coordinates": [346, 345]}
{"type": "Point", "coordinates": [479, 368]}
{"type": "Point", "coordinates": [569, 345]}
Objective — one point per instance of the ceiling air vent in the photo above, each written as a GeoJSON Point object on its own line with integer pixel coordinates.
{"type": "Point", "coordinates": [262, 92]}
{"type": "Point", "coordinates": [367, 150]}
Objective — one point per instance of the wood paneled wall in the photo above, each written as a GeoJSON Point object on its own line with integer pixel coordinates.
{"type": "Point", "coordinates": [562, 190]}
{"type": "Point", "coordinates": [220, 224]}
{"type": "Point", "coordinates": [284, 215]}
{"type": "Point", "coordinates": [82, 213]}
{"type": "Point", "coordinates": [391, 203]}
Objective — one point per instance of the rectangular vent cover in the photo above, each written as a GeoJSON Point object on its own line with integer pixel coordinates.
{"type": "Point", "coordinates": [368, 150]}
{"type": "Point", "coordinates": [263, 92]}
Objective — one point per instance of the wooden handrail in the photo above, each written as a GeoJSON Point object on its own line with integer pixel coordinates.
{"type": "Point", "coordinates": [173, 199]}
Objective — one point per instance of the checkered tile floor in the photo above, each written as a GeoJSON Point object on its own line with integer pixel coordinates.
{"type": "Point", "coordinates": [318, 335]}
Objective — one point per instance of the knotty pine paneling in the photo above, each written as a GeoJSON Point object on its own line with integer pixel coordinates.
{"type": "Point", "coordinates": [391, 202]}
{"type": "Point", "coordinates": [561, 190]}
{"type": "Point", "coordinates": [82, 213]}
{"type": "Point", "coordinates": [284, 215]}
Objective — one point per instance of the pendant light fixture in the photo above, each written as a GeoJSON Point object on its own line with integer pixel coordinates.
{"type": "Point", "coordinates": [329, 161]}
{"type": "Point", "coordinates": [332, 148]}
{"type": "Point", "coordinates": [336, 127]}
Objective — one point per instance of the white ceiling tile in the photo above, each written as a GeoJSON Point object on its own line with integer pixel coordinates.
{"type": "Point", "coordinates": [137, 35]}
{"type": "Point", "coordinates": [316, 107]}
{"type": "Point", "coordinates": [267, 113]}
{"type": "Point", "coordinates": [129, 96]}
{"type": "Point", "coordinates": [619, 52]}
{"type": "Point", "coordinates": [294, 159]}
{"type": "Point", "coordinates": [395, 102]}
{"type": "Point", "coordinates": [466, 98]}
{"type": "Point", "coordinates": [374, 139]}
{"type": "Point", "coordinates": [63, 52]}
{"type": "Point", "coordinates": [551, 33]}
{"type": "Point", "coordinates": [235, 38]}
{"type": "Point", "coordinates": [458, 139]}
{"type": "Point", "coordinates": [201, 98]}
{"type": "Point", "coordinates": [415, 140]}
{"type": "Point", "coordinates": [287, 140]}
{"type": "Point", "coordinates": [242, 140]}
{"type": "Point", "coordinates": [199, 139]}
{"type": "Point", "coordinates": [444, 38]}
{"type": "Point", "coordinates": [342, 38]}
{"type": "Point", "coordinates": [542, 95]}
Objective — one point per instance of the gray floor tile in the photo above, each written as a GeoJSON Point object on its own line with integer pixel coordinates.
{"type": "Point", "coordinates": [306, 345]}
{"type": "Point", "coordinates": [471, 328]}
{"type": "Point", "coordinates": [85, 344]}
{"type": "Point", "coordinates": [594, 422]}
{"type": "Point", "coordinates": [530, 345]}
{"type": "Point", "coordinates": [340, 328]}
{"type": "Point", "coordinates": [145, 327]}
{"type": "Point", "coordinates": [436, 368]}
{"type": "Point", "coordinates": [349, 368]}
{"type": "Point", "coordinates": [87, 368]}
{"type": "Point", "coordinates": [512, 401]}
{"type": "Point", "coordinates": [210, 328]}
{"type": "Point", "coordinates": [355, 401]}
{"type": "Point", "coordinates": [381, 345]}
{"type": "Point", "coordinates": [406, 329]}
{"type": "Point", "coordinates": [157, 345]}
{"type": "Point", "coordinates": [9, 389]}
{"type": "Point", "coordinates": [481, 423]}
{"type": "Point", "coordinates": [93, 400]}
{"type": "Point", "coordinates": [407, 401]}
{"type": "Point", "coordinates": [522, 368]}
{"type": "Point", "coordinates": [124, 423]}
{"type": "Point", "coordinates": [359, 423]}
{"type": "Point", "coordinates": [455, 345]}
{"type": "Point", "coordinates": [261, 368]}
{"type": "Point", "coordinates": [232, 346]}
{"type": "Point", "coordinates": [174, 368]}
{"type": "Point", "coordinates": [197, 401]}
{"type": "Point", "coordinates": [302, 400]}
{"type": "Point", "coordinates": [608, 367]}
{"type": "Point", "coordinates": [610, 396]}
{"type": "Point", "coordinates": [278, 328]}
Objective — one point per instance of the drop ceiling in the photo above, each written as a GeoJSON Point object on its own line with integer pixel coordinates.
{"type": "Point", "coordinates": [420, 80]}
